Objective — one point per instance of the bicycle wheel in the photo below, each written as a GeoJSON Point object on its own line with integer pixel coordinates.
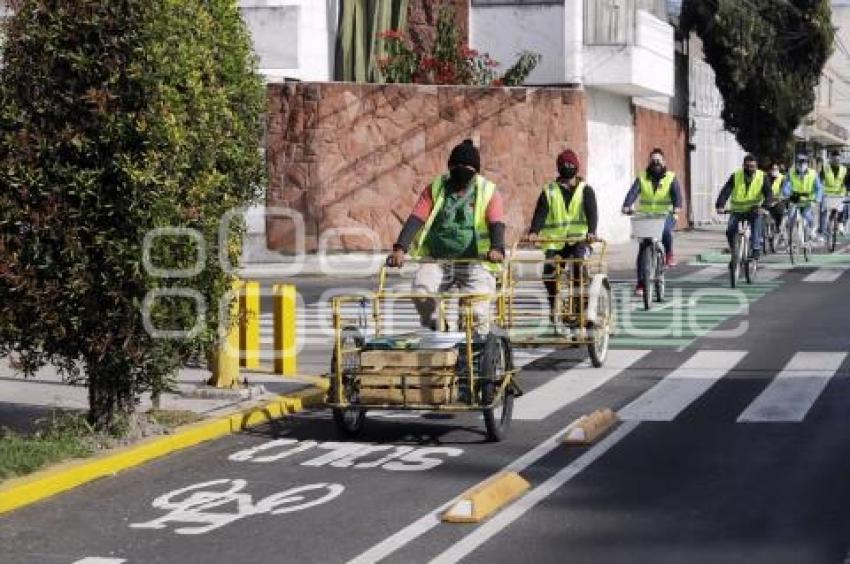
{"type": "Point", "coordinates": [804, 245]}
{"type": "Point", "coordinates": [658, 284]}
{"type": "Point", "coordinates": [648, 274]}
{"type": "Point", "coordinates": [735, 263]}
{"type": "Point", "coordinates": [833, 231]}
{"type": "Point", "coordinates": [495, 361]}
{"type": "Point", "coordinates": [792, 240]}
{"type": "Point", "coordinates": [349, 421]}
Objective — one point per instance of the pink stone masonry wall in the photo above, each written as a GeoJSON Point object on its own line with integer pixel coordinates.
{"type": "Point", "coordinates": [354, 157]}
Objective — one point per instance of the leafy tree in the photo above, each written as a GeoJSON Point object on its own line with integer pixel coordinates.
{"type": "Point", "coordinates": [118, 117]}
{"type": "Point", "coordinates": [767, 56]}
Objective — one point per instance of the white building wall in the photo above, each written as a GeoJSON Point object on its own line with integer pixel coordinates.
{"type": "Point", "coordinates": [611, 146]}
{"type": "Point", "coordinates": [716, 153]}
{"type": "Point", "coordinates": [293, 38]}
{"type": "Point", "coordinates": [505, 31]}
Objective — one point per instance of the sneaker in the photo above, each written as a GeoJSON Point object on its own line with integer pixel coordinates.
{"type": "Point", "coordinates": [756, 254]}
{"type": "Point", "coordinates": [639, 289]}
{"type": "Point", "coordinates": [841, 229]}
{"type": "Point", "coordinates": [671, 260]}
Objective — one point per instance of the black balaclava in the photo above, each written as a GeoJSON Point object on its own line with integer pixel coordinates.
{"type": "Point", "coordinates": [464, 164]}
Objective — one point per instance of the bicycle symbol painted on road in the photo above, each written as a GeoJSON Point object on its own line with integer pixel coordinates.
{"type": "Point", "coordinates": [212, 505]}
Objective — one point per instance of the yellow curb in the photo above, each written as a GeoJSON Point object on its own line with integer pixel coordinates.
{"type": "Point", "coordinates": [587, 429]}
{"type": "Point", "coordinates": [23, 491]}
{"type": "Point", "coordinates": [486, 498]}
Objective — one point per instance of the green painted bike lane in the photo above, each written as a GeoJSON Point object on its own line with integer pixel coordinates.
{"type": "Point", "coordinates": [690, 310]}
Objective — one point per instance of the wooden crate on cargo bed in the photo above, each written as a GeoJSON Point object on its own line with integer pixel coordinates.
{"type": "Point", "coordinates": [408, 359]}
{"type": "Point", "coordinates": [402, 389]}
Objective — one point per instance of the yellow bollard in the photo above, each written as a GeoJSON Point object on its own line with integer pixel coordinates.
{"type": "Point", "coordinates": [285, 358]}
{"type": "Point", "coordinates": [225, 366]}
{"type": "Point", "coordinates": [249, 326]}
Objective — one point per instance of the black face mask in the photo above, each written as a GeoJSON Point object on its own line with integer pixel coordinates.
{"type": "Point", "coordinates": [567, 172]}
{"type": "Point", "coordinates": [460, 176]}
{"type": "Point", "coordinates": [657, 170]}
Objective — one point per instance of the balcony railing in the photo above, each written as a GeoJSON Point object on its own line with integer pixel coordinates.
{"type": "Point", "coordinates": [613, 22]}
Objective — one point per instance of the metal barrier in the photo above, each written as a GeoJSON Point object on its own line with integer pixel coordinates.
{"type": "Point", "coordinates": [240, 347]}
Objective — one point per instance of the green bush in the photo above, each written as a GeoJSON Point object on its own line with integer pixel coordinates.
{"type": "Point", "coordinates": [118, 117]}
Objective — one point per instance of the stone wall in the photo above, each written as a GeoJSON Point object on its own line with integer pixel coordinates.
{"type": "Point", "coordinates": [354, 157]}
{"type": "Point", "coordinates": [422, 20]}
{"type": "Point", "coordinates": [656, 129]}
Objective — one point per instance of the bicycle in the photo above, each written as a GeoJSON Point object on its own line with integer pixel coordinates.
{"type": "Point", "coordinates": [835, 205]}
{"type": "Point", "coordinates": [742, 260]}
{"type": "Point", "coordinates": [769, 235]}
{"type": "Point", "coordinates": [798, 239]}
{"type": "Point", "coordinates": [648, 228]}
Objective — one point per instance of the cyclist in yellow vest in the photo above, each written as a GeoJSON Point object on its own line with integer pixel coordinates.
{"type": "Point", "coordinates": [746, 190]}
{"type": "Point", "coordinates": [459, 216]}
{"type": "Point", "coordinates": [566, 209]}
{"type": "Point", "coordinates": [776, 179]}
{"type": "Point", "coordinates": [803, 187]}
{"type": "Point", "coordinates": [836, 182]}
{"type": "Point", "coordinates": [659, 191]}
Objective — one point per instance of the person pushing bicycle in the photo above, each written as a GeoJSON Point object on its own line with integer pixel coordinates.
{"type": "Point", "coordinates": [746, 191]}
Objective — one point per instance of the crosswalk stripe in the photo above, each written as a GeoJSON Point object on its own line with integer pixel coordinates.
{"type": "Point", "coordinates": [672, 395]}
{"type": "Point", "coordinates": [791, 394]}
{"type": "Point", "coordinates": [572, 384]}
{"type": "Point", "coordinates": [824, 275]}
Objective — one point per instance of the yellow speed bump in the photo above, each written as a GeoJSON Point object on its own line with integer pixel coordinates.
{"type": "Point", "coordinates": [587, 429]}
{"type": "Point", "coordinates": [486, 498]}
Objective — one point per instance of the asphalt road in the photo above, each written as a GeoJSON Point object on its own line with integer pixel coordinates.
{"type": "Point", "coordinates": [734, 447]}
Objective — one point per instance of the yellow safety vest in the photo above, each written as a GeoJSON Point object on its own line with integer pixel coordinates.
{"type": "Point", "coordinates": [805, 186]}
{"type": "Point", "coordinates": [834, 185]}
{"type": "Point", "coordinates": [563, 222]}
{"type": "Point", "coordinates": [777, 185]}
{"type": "Point", "coordinates": [656, 201]}
{"type": "Point", "coordinates": [744, 197]}
{"type": "Point", "coordinates": [484, 190]}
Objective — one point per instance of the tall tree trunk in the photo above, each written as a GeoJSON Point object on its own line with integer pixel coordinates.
{"type": "Point", "coordinates": [111, 397]}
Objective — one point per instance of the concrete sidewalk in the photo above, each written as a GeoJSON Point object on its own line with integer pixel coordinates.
{"type": "Point", "coordinates": [23, 401]}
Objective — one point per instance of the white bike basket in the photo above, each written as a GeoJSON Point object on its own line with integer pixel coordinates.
{"type": "Point", "coordinates": [648, 227]}
{"type": "Point", "coordinates": [833, 202]}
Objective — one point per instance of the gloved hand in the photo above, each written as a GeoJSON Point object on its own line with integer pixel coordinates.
{"type": "Point", "coordinates": [495, 255]}
{"type": "Point", "coordinates": [627, 210]}
{"type": "Point", "coordinates": [591, 237]}
{"type": "Point", "coordinates": [396, 258]}
{"type": "Point", "coordinates": [720, 211]}
{"type": "Point", "coordinates": [533, 237]}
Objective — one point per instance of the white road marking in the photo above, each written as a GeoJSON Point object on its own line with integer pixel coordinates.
{"type": "Point", "coordinates": [427, 522]}
{"type": "Point", "coordinates": [702, 275]}
{"type": "Point", "coordinates": [99, 560]}
{"type": "Point", "coordinates": [573, 384]}
{"type": "Point", "coordinates": [793, 391]}
{"type": "Point", "coordinates": [672, 395]}
{"type": "Point", "coordinates": [824, 275]}
{"type": "Point", "coordinates": [513, 512]}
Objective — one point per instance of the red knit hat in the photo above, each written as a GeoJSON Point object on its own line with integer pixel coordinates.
{"type": "Point", "coordinates": [568, 157]}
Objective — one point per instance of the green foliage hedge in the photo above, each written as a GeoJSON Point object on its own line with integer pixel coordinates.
{"type": "Point", "coordinates": [118, 117]}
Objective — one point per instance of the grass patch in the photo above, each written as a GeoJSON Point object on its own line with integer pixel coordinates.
{"type": "Point", "coordinates": [60, 436]}
{"type": "Point", "coordinates": [173, 418]}
{"type": "Point", "coordinates": [64, 435]}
